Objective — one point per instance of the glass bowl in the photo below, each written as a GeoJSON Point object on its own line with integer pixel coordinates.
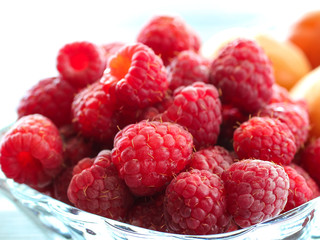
{"type": "Point", "coordinates": [61, 221]}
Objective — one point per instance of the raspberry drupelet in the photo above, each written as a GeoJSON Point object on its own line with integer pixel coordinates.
{"type": "Point", "coordinates": [96, 188]}
{"type": "Point", "coordinates": [81, 63]}
{"type": "Point", "coordinates": [50, 97]}
{"type": "Point", "coordinates": [244, 74]}
{"type": "Point", "coordinates": [266, 139]}
{"type": "Point", "coordinates": [168, 36]}
{"type": "Point", "coordinates": [195, 204]}
{"type": "Point", "coordinates": [149, 154]}
{"type": "Point", "coordinates": [31, 151]}
{"type": "Point", "coordinates": [136, 77]}
{"type": "Point", "coordinates": [197, 107]}
{"type": "Point", "coordinates": [256, 190]}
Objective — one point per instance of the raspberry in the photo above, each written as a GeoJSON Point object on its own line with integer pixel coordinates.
{"type": "Point", "coordinates": [310, 159]}
{"type": "Point", "coordinates": [299, 191]}
{"type": "Point", "coordinates": [50, 97]}
{"type": "Point", "coordinates": [256, 190]}
{"type": "Point", "coordinates": [111, 48]}
{"type": "Point", "coordinates": [195, 204]}
{"type": "Point", "coordinates": [232, 117]}
{"type": "Point", "coordinates": [148, 155]}
{"type": "Point", "coordinates": [197, 107]}
{"type": "Point", "coordinates": [215, 159]}
{"type": "Point", "coordinates": [266, 139]}
{"type": "Point", "coordinates": [81, 63]}
{"type": "Point", "coordinates": [76, 146]}
{"type": "Point", "coordinates": [136, 77]}
{"type": "Point", "coordinates": [168, 36]}
{"type": "Point", "coordinates": [244, 74]}
{"type": "Point", "coordinates": [61, 184]}
{"type": "Point", "coordinates": [280, 94]}
{"type": "Point", "coordinates": [311, 183]}
{"type": "Point", "coordinates": [294, 116]}
{"type": "Point", "coordinates": [186, 68]}
{"type": "Point", "coordinates": [93, 113]}
{"type": "Point", "coordinates": [148, 213]}
{"type": "Point", "coordinates": [98, 189]}
{"type": "Point", "coordinates": [31, 151]}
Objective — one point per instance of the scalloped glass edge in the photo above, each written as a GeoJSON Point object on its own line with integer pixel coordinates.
{"type": "Point", "coordinates": [61, 221]}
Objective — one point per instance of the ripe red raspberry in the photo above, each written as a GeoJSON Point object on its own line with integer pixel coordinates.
{"type": "Point", "coordinates": [186, 68]}
{"type": "Point", "coordinates": [311, 183]}
{"type": "Point", "coordinates": [50, 97]}
{"type": "Point", "coordinates": [111, 48]}
{"type": "Point", "coordinates": [299, 191]}
{"type": "Point", "coordinates": [232, 117]}
{"type": "Point", "coordinates": [280, 94]}
{"type": "Point", "coordinates": [197, 107]}
{"type": "Point", "coordinates": [148, 155]}
{"type": "Point", "coordinates": [148, 213]}
{"type": "Point", "coordinates": [266, 139]}
{"type": "Point", "coordinates": [244, 74]}
{"type": "Point", "coordinates": [215, 159]}
{"type": "Point", "coordinates": [195, 204]}
{"type": "Point", "coordinates": [168, 36]}
{"type": "Point", "coordinates": [61, 184]}
{"type": "Point", "coordinates": [93, 113]}
{"type": "Point", "coordinates": [310, 159]}
{"type": "Point", "coordinates": [31, 151]}
{"type": "Point", "coordinates": [81, 63]}
{"type": "Point", "coordinates": [99, 190]}
{"type": "Point", "coordinates": [256, 190]}
{"type": "Point", "coordinates": [294, 116]}
{"type": "Point", "coordinates": [136, 77]}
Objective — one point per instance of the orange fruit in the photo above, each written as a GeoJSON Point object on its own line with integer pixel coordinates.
{"type": "Point", "coordinates": [289, 62]}
{"type": "Point", "coordinates": [308, 88]}
{"type": "Point", "coordinates": [305, 33]}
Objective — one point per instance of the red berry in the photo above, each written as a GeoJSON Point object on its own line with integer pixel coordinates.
{"type": "Point", "coordinates": [93, 113]}
{"type": "Point", "coordinates": [299, 191]}
{"type": "Point", "coordinates": [136, 77]}
{"type": "Point", "coordinates": [76, 146]}
{"type": "Point", "coordinates": [310, 159]}
{"type": "Point", "coordinates": [168, 36]}
{"type": "Point", "coordinates": [311, 183]}
{"type": "Point", "coordinates": [232, 117]}
{"type": "Point", "coordinates": [50, 97]}
{"type": "Point", "coordinates": [61, 184]}
{"type": "Point", "coordinates": [197, 107]}
{"type": "Point", "coordinates": [215, 159]}
{"type": "Point", "coordinates": [186, 68]}
{"type": "Point", "coordinates": [195, 204]}
{"type": "Point", "coordinates": [293, 115]}
{"type": "Point", "coordinates": [256, 190]}
{"type": "Point", "coordinates": [31, 151]}
{"type": "Point", "coordinates": [280, 95]}
{"type": "Point", "coordinates": [148, 213]}
{"type": "Point", "coordinates": [149, 154]}
{"type": "Point", "coordinates": [81, 63]}
{"type": "Point", "coordinates": [266, 139]}
{"type": "Point", "coordinates": [244, 74]}
{"type": "Point", "coordinates": [99, 190]}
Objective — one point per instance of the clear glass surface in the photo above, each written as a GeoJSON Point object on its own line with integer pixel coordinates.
{"type": "Point", "coordinates": [61, 221]}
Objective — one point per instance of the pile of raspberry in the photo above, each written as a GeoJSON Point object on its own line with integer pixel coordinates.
{"type": "Point", "coordinates": [153, 134]}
